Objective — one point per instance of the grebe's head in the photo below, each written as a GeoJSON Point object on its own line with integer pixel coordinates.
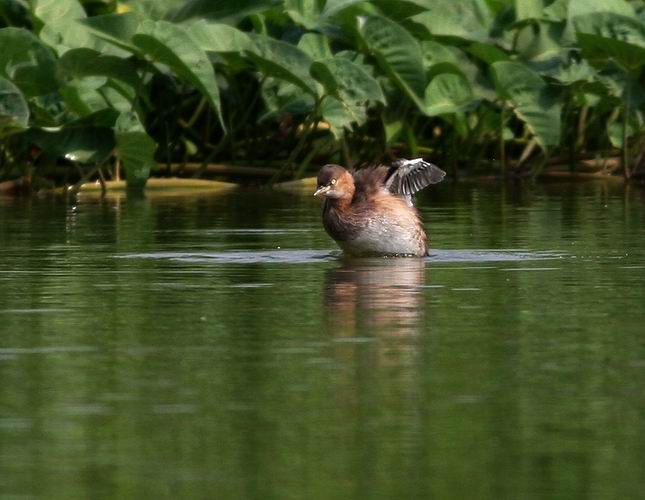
{"type": "Point", "coordinates": [334, 182]}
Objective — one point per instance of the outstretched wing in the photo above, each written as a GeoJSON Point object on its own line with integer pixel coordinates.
{"type": "Point", "coordinates": [407, 177]}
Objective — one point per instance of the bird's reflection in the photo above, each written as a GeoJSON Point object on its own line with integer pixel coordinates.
{"type": "Point", "coordinates": [376, 296]}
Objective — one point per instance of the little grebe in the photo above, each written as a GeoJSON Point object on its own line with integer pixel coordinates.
{"type": "Point", "coordinates": [371, 211]}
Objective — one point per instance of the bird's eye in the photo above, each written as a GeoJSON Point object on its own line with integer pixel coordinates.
{"type": "Point", "coordinates": [333, 181]}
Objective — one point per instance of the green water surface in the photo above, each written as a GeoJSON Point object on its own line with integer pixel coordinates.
{"type": "Point", "coordinates": [216, 347]}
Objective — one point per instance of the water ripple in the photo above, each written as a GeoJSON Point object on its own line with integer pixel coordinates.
{"type": "Point", "coordinates": [309, 256]}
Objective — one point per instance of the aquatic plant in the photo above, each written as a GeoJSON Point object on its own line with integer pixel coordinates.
{"type": "Point", "coordinates": [477, 85]}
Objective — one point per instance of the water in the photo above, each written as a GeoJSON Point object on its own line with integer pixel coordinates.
{"type": "Point", "coordinates": [219, 347]}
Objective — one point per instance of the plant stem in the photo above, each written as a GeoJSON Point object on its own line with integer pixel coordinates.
{"type": "Point", "coordinates": [625, 156]}
{"type": "Point", "coordinates": [502, 144]}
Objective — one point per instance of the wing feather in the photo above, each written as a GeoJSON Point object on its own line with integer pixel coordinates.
{"type": "Point", "coordinates": [407, 177]}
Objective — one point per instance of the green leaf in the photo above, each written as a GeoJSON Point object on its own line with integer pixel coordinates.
{"type": "Point", "coordinates": [14, 112]}
{"type": "Point", "coordinates": [351, 86]}
{"type": "Point", "coordinates": [284, 61]}
{"type": "Point", "coordinates": [465, 19]}
{"type": "Point", "coordinates": [135, 149]}
{"type": "Point", "coordinates": [79, 63]}
{"type": "Point", "coordinates": [398, 53]}
{"type": "Point", "coordinates": [282, 98]}
{"type": "Point", "coordinates": [530, 99]}
{"type": "Point", "coordinates": [61, 29]}
{"type": "Point", "coordinates": [441, 58]}
{"type": "Point", "coordinates": [339, 115]}
{"type": "Point", "coordinates": [556, 12]}
{"type": "Point", "coordinates": [305, 12]}
{"type": "Point", "coordinates": [82, 97]}
{"type": "Point", "coordinates": [49, 11]}
{"type": "Point", "coordinates": [315, 46]}
{"type": "Point", "coordinates": [615, 129]}
{"type": "Point", "coordinates": [334, 7]}
{"type": "Point", "coordinates": [528, 9]}
{"type": "Point", "coordinates": [607, 36]}
{"type": "Point", "coordinates": [488, 53]}
{"type": "Point", "coordinates": [347, 81]}
{"type": "Point", "coordinates": [448, 93]}
{"type": "Point", "coordinates": [26, 61]}
{"type": "Point", "coordinates": [215, 37]}
{"type": "Point", "coordinates": [169, 44]}
{"type": "Point", "coordinates": [582, 7]}
{"type": "Point", "coordinates": [222, 10]}
{"type": "Point", "coordinates": [77, 144]}
{"type": "Point", "coordinates": [117, 29]}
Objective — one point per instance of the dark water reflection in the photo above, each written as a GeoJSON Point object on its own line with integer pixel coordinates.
{"type": "Point", "coordinates": [219, 347]}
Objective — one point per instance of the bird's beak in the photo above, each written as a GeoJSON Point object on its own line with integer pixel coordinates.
{"type": "Point", "coordinates": [322, 190]}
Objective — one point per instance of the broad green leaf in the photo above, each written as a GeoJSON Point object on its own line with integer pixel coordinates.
{"type": "Point", "coordinates": [66, 34]}
{"type": "Point", "coordinates": [439, 58]}
{"type": "Point", "coordinates": [577, 8]}
{"type": "Point", "coordinates": [315, 46]}
{"type": "Point", "coordinates": [74, 143]}
{"type": "Point", "coordinates": [351, 86]}
{"type": "Point", "coordinates": [556, 12]}
{"type": "Point", "coordinates": [436, 53]}
{"type": "Point", "coordinates": [82, 96]}
{"type": "Point", "coordinates": [230, 11]}
{"type": "Point", "coordinates": [528, 9]}
{"type": "Point", "coordinates": [150, 9]}
{"type": "Point", "coordinates": [282, 97]}
{"type": "Point", "coordinates": [61, 29]}
{"type": "Point", "coordinates": [448, 93]}
{"type": "Point", "coordinates": [215, 37]}
{"type": "Point", "coordinates": [400, 9]}
{"type": "Point", "coordinates": [305, 12]}
{"type": "Point", "coordinates": [607, 36]}
{"type": "Point", "coordinates": [169, 44]}
{"type": "Point", "coordinates": [538, 40]}
{"type": "Point", "coordinates": [347, 81]}
{"type": "Point", "coordinates": [135, 149]}
{"type": "Point", "coordinates": [615, 129]}
{"type": "Point", "coordinates": [14, 112]}
{"type": "Point", "coordinates": [465, 19]}
{"type": "Point", "coordinates": [398, 53]}
{"type": "Point", "coordinates": [624, 86]}
{"type": "Point", "coordinates": [574, 72]}
{"type": "Point", "coordinates": [284, 61]}
{"type": "Point", "coordinates": [14, 13]}
{"type": "Point", "coordinates": [488, 53]}
{"type": "Point", "coordinates": [118, 29]}
{"type": "Point", "coordinates": [118, 96]}
{"type": "Point", "coordinates": [79, 63]}
{"type": "Point", "coordinates": [334, 7]}
{"type": "Point", "coordinates": [529, 96]}
{"type": "Point", "coordinates": [339, 116]}
{"type": "Point", "coordinates": [26, 61]}
{"type": "Point", "coordinates": [48, 11]}
{"type": "Point", "coordinates": [582, 7]}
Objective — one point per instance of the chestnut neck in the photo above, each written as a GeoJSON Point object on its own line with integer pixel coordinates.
{"type": "Point", "coordinates": [348, 187]}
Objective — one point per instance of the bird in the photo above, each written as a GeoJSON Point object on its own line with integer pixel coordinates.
{"type": "Point", "coordinates": [371, 212]}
